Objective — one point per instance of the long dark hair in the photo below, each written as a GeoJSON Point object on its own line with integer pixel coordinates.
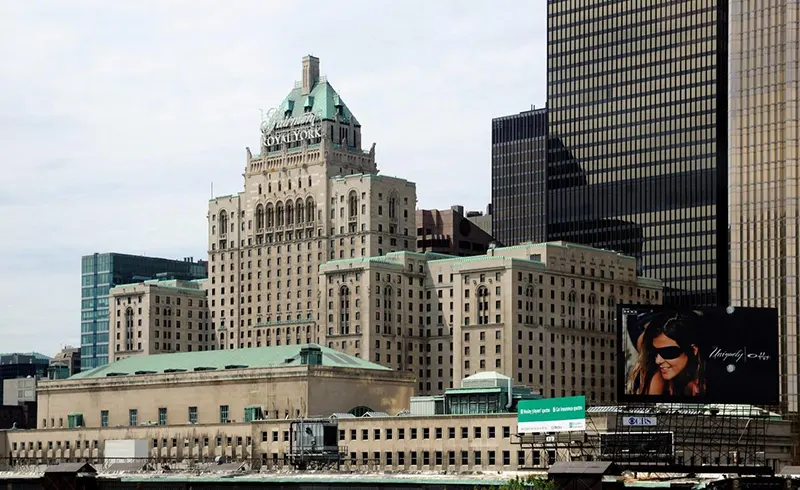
{"type": "Point", "coordinates": [683, 328]}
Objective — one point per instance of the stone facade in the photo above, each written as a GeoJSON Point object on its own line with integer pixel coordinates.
{"type": "Point", "coordinates": [452, 443]}
{"type": "Point", "coordinates": [543, 315]}
{"type": "Point", "coordinates": [304, 203]}
{"type": "Point", "coordinates": [213, 397]}
{"type": "Point", "coordinates": [158, 317]}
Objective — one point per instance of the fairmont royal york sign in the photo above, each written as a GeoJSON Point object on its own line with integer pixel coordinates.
{"type": "Point", "coordinates": [277, 130]}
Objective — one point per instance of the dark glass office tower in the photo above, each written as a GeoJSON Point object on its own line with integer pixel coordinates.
{"type": "Point", "coordinates": [637, 99]}
{"type": "Point", "coordinates": [519, 164]}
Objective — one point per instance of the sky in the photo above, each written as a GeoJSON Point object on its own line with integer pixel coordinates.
{"type": "Point", "coordinates": [116, 117]}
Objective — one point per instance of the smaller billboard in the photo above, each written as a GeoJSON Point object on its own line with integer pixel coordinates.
{"type": "Point", "coordinates": [551, 415]}
{"type": "Point", "coordinates": [698, 355]}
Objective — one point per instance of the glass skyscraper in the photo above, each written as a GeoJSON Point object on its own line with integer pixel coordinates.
{"type": "Point", "coordinates": [519, 161]}
{"type": "Point", "coordinates": [637, 102]}
{"type": "Point", "coordinates": [765, 170]}
{"type": "Point", "coordinates": [100, 273]}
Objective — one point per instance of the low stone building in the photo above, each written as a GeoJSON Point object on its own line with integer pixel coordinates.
{"type": "Point", "coordinates": [221, 387]}
{"type": "Point", "coordinates": [159, 316]}
{"type": "Point", "coordinates": [380, 442]}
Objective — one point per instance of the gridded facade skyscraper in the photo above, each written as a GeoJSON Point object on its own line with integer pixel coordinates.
{"type": "Point", "coordinates": [765, 160]}
{"type": "Point", "coordinates": [519, 161]}
{"type": "Point", "coordinates": [100, 273]}
{"type": "Point", "coordinates": [637, 99]}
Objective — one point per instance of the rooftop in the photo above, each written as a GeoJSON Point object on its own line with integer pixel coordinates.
{"type": "Point", "coordinates": [35, 355]}
{"type": "Point", "coordinates": [323, 101]}
{"type": "Point", "coordinates": [194, 285]}
{"type": "Point", "coordinates": [262, 357]}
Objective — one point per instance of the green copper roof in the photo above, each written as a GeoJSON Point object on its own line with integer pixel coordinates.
{"type": "Point", "coordinates": [261, 357]}
{"type": "Point", "coordinates": [322, 100]}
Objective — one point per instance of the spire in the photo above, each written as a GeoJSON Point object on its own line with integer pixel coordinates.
{"type": "Point", "coordinates": [310, 73]}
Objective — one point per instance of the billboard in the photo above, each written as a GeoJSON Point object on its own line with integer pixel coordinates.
{"type": "Point", "coordinates": [698, 355]}
{"type": "Point", "coordinates": [551, 415]}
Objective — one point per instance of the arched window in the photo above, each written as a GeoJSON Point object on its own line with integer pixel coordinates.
{"type": "Point", "coordinates": [360, 411]}
{"type": "Point", "coordinates": [279, 213]}
{"type": "Point", "coordinates": [129, 329]}
{"type": "Point", "coordinates": [388, 314]}
{"type": "Point", "coordinates": [392, 205]}
{"type": "Point", "coordinates": [270, 215]}
{"type": "Point", "coordinates": [300, 211]}
{"type": "Point", "coordinates": [259, 217]}
{"type": "Point", "coordinates": [310, 210]}
{"type": "Point", "coordinates": [352, 208]}
{"type": "Point", "coordinates": [344, 310]}
{"type": "Point", "coordinates": [483, 305]}
{"type": "Point", "coordinates": [223, 223]}
{"type": "Point", "coordinates": [289, 213]}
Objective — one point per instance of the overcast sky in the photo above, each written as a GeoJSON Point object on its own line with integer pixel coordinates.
{"type": "Point", "coordinates": [115, 117]}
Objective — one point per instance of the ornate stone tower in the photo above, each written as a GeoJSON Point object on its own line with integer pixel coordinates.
{"type": "Point", "coordinates": [311, 195]}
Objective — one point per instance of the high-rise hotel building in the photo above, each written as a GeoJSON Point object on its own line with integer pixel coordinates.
{"type": "Point", "coordinates": [541, 314]}
{"type": "Point", "coordinates": [319, 248]}
{"type": "Point", "coordinates": [765, 169]}
{"type": "Point", "coordinates": [311, 194]}
{"type": "Point", "coordinates": [637, 98]}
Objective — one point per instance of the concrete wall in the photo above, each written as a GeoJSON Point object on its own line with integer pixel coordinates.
{"type": "Point", "coordinates": [281, 392]}
{"type": "Point", "coordinates": [485, 442]}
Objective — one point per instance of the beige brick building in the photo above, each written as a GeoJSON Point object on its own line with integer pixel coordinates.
{"type": "Point", "coordinates": [315, 249]}
{"type": "Point", "coordinates": [159, 316]}
{"type": "Point", "coordinates": [311, 194]}
{"type": "Point", "coordinates": [542, 314]}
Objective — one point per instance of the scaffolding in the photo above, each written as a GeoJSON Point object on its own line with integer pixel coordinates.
{"type": "Point", "coordinates": [662, 438]}
{"type": "Point", "coordinates": [689, 438]}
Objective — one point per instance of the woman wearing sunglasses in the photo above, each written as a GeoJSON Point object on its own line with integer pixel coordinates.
{"type": "Point", "coordinates": [670, 361]}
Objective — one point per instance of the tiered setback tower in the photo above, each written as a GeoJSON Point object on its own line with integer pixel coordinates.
{"type": "Point", "coordinates": [311, 195]}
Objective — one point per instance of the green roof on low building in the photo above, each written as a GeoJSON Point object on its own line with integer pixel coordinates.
{"type": "Point", "coordinates": [219, 360]}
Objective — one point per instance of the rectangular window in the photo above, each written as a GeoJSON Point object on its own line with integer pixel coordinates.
{"type": "Point", "coordinates": [192, 415]}
{"type": "Point", "coordinates": [104, 418]}
{"type": "Point", "coordinates": [133, 417]}
{"type": "Point", "coordinates": [223, 414]}
{"type": "Point", "coordinates": [162, 416]}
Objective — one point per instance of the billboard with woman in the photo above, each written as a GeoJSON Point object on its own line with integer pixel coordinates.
{"type": "Point", "coordinates": [698, 355]}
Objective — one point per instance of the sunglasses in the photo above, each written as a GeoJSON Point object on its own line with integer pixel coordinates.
{"type": "Point", "coordinates": [669, 353]}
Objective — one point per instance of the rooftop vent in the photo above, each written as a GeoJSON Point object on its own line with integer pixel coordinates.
{"type": "Point", "coordinates": [311, 356]}
{"type": "Point", "coordinates": [174, 370]}
{"type": "Point", "coordinates": [236, 366]}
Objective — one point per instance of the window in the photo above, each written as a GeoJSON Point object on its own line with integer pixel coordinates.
{"type": "Point", "coordinates": [162, 416]}
{"type": "Point", "coordinates": [192, 415]}
{"type": "Point", "coordinates": [133, 417]}
{"type": "Point", "coordinates": [104, 418]}
{"type": "Point", "coordinates": [223, 414]}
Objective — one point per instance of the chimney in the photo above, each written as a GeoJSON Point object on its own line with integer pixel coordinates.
{"type": "Point", "coordinates": [310, 73]}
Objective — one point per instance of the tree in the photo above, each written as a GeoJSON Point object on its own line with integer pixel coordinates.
{"type": "Point", "coordinates": [529, 482]}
